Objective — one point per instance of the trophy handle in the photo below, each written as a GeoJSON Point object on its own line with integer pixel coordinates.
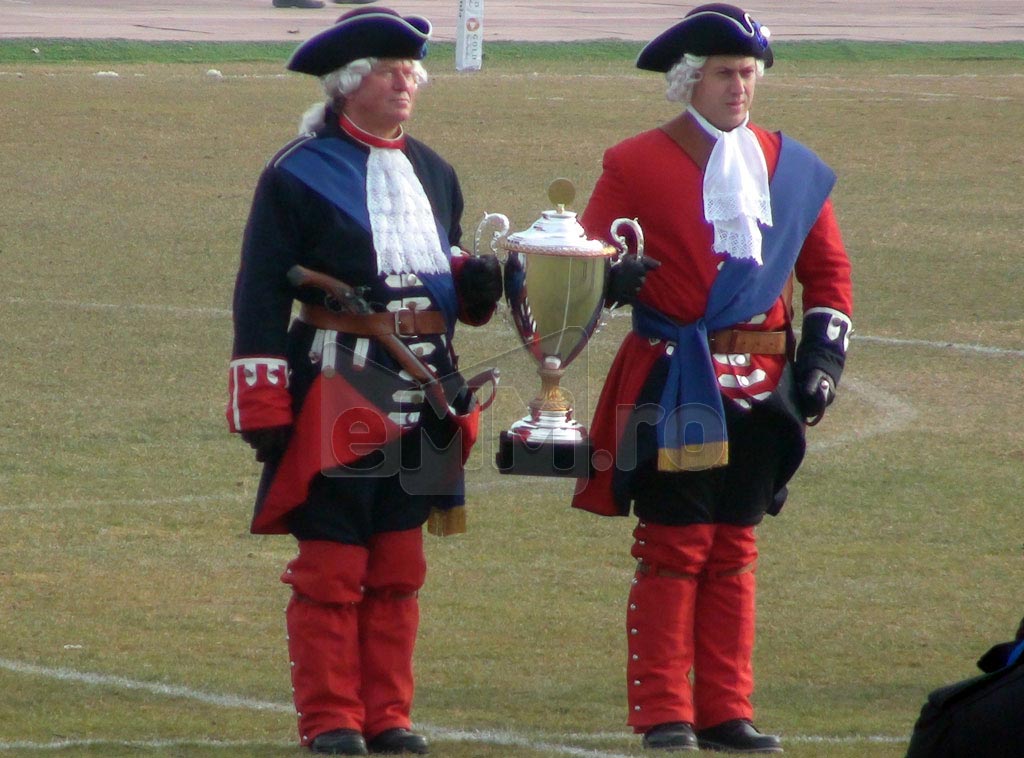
{"type": "Point", "coordinates": [621, 242]}
{"type": "Point", "coordinates": [491, 220]}
{"type": "Point", "coordinates": [481, 380]}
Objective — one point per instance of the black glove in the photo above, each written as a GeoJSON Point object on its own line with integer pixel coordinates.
{"type": "Point", "coordinates": [815, 391]}
{"type": "Point", "coordinates": [269, 443]}
{"type": "Point", "coordinates": [820, 359]}
{"type": "Point", "coordinates": [626, 277]}
{"type": "Point", "coordinates": [480, 286]}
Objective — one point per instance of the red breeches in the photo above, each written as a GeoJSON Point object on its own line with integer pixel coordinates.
{"type": "Point", "coordinates": [352, 623]}
{"type": "Point", "coordinates": [691, 613]}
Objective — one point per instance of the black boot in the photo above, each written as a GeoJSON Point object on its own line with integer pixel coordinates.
{"type": "Point", "coordinates": [676, 735]}
{"type": "Point", "coordinates": [393, 741]}
{"type": "Point", "coordinates": [738, 736]}
{"type": "Point", "coordinates": [339, 742]}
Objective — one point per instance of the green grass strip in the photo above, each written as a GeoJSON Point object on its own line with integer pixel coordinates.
{"type": "Point", "coordinates": [50, 51]}
{"type": "Point", "coordinates": [133, 51]}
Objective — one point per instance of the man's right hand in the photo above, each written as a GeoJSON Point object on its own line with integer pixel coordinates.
{"type": "Point", "coordinates": [626, 277]}
{"type": "Point", "coordinates": [269, 443]}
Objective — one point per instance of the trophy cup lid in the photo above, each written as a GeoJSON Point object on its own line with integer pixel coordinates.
{"type": "Point", "coordinates": [557, 232]}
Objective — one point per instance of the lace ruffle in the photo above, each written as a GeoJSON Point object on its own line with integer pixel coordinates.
{"type": "Point", "coordinates": [404, 229]}
{"type": "Point", "coordinates": [724, 207]}
{"type": "Point", "coordinates": [740, 241]}
{"type": "Point", "coordinates": [735, 189]}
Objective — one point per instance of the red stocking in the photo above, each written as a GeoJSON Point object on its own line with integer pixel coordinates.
{"type": "Point", "coordinates": [388, 621]}
{"type": "Point", "coordinates": [323, 636]}
{"type": "Point", "coordinates": [659, 623]}
{"type": "Point", "coordinates": [723, 670]}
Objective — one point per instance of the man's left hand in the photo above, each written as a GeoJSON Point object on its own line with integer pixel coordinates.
{"type": "Point", "coordinates": [480, 285]}
{"type": "Point", "coordinates": [269, 443]}
{"type": "Point", "coordinates": [816, 393]}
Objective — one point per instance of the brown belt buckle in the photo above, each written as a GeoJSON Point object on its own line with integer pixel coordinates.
{"type": "Point", "coordinates": [412, 324]}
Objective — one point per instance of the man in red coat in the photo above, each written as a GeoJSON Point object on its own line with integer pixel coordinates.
{"type": "Point", "coordinates": [701, 420]}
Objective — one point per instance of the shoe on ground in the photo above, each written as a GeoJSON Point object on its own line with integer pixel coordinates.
{"type": "Point", "coordinates": [675, 735]}
{"type": "Point", "coordinates": [353, 2]}
{"type": "Point", "coordinates": [298, 4]}
{"type": "Point", "coordinates": [339, 741]}
{"type": "Point", "coordinates": [737, 736]}
{"type": "Point", "coordinates": [395, 741]}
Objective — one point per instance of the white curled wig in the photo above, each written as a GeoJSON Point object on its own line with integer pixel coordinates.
{"type": "Point", "coordinates": [341, 83]}
{"type": "Point", "coordinates": [686, 73]}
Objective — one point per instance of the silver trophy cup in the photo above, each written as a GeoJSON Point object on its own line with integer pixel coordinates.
{"type": "Point", "coordinates": [555, 288]}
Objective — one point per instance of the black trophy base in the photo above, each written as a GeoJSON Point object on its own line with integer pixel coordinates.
{"type": "Point", "coordinates": [516, 456]}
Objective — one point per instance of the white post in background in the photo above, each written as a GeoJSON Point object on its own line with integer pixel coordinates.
{"type": "Point", "coordinates": [469, 36]}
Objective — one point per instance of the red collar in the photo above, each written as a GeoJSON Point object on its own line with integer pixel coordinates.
{"type": "Point", "coordinates": [350, 128]}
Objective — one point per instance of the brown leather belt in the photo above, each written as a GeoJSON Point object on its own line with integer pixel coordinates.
{"type": "Point", "coordinates": [746, 341]}
{"type": "Point", "coordinates": [405, 323]}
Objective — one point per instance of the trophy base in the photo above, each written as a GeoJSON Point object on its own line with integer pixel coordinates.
{"type": "Point", "coordinates": [518, 456]}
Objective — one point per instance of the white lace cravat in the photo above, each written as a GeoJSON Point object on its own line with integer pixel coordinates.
{"type": "Point", "coordinates": [402, 221]}
{"type": "Point", "coordinates": [736, 190]}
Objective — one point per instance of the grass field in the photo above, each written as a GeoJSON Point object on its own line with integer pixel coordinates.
{"type": "Point", "coordinates": [138, 616]}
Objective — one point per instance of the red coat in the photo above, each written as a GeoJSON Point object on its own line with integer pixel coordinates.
{"type": "Point", "coordinates": [650, 177]}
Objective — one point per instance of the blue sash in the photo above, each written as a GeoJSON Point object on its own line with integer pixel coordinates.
{"type": "Point", "coordinates": [1015, 654]}
{"type": "Point", "coordinates": [691, 428]}
{"type": "Point", "coordinates": [336, 169]}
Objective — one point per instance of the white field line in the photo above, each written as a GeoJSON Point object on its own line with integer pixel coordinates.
{"type": "Point", "coordinates": [154, 688]}
{"type": "Point", "coordinates": [960, 347]}
{"type": "Point", "coordinates": [140, 744]}
{"type": "Point", "coordinates": [889, 414]}
{"type": "Point", "coordinates": [510, 739]}
{"type": "Point", "coordinates": [552, 744]}
{"type": "Point", "coordinates": [549, 746]}
{"type": "Point", "coordinates": [545, 743]}
{"type": "Point", "coordinates": [171, 310]}
{"type": "Point", "coordinates": [805, 738]}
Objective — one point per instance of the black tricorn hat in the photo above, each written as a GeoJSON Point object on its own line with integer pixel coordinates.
{"type": "Point", "coordinates": [714, 29]}
{"type": "Point", "coordinates": [362, 33]}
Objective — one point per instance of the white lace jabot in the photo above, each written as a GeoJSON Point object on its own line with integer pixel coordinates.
{"type": "Point", "coordinates": [736, 190]}
{"type": "Point", "coordinates": [404, 230]}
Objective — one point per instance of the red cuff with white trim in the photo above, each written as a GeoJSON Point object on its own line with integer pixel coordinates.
{"type": "Point", "coordinates": [258, 395]}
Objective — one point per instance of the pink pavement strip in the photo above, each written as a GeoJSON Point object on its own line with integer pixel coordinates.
{"type": "Point", "coordinates": [257, 20]}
